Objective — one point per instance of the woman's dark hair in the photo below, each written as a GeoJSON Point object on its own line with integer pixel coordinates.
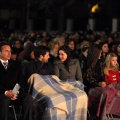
{"type": "Point", "coordinates": [116, 45]}
{"type": "Point", "coordinates": [28, 52]}
{"type": "Point", "coordinates": [68, 40]}
{"type": "Point", "coordinates": [67, 50]}
{"type": "Point", "coordinates": [93, 55]}
{"type": "Point", "coordinates": [102, 43]}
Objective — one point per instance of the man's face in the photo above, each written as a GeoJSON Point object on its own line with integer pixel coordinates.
{"type": "Point", "coordinates": [5, 53]}
{"type": "Point", "coordinates": [45, 57]}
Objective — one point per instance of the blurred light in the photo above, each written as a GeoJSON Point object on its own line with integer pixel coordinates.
{"type": "Point", "coordinates": [94, 8]}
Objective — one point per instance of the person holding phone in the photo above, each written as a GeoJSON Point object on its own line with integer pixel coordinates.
{"type": "Point", "coordinates": [10, 75]}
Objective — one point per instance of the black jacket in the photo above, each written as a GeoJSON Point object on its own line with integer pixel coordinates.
{"type": "Point", "coordinates": [36, 66]}
{"type": "Point", "coordinates": [11, 76]}
{"type": "Point", "coordinates": [94, 75]}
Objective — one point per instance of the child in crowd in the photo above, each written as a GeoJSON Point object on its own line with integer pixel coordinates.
{"type": "Point", "coordinates": [104, 100]}
{"type": "Point", "coordinates": [111, 70]}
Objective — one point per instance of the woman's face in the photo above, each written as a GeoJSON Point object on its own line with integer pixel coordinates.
{"type": "Point", "coordinates": [105, 48]}
{"type": "Point", "coordinates": [113, 61]}
{"type": "Point", "coordinates": [17, 44]}
{"type": "Point", "coordinates": [71, 45]}
{"type": "Point", "coordinates": [62, 55]}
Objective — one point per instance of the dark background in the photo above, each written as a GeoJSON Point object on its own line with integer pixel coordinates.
{"type": "Point", "coordinates": [21, 11]}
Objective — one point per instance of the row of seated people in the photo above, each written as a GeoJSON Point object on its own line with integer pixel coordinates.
{"type": "Point", "coordinates": [12, 72]}
{"type": "Point", "coordinates": [102, 83]}
{"type": "Point", "coordinates": [66, 68]}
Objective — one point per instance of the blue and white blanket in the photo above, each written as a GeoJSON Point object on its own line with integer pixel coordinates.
{"type": "Point", "coordinates": [59, 101]}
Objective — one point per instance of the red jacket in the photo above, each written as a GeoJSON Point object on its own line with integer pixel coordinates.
{"type": "Point", "coordinates": [113, 77]}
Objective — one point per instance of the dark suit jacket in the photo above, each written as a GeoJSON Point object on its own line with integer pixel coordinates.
{"type": "Point", "coordinates": [36, 66]}
{"type": "Point", "coordinates": [11, 76]}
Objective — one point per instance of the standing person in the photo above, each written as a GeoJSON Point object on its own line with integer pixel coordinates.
{"type": "Point", "coordinates": [67, 68]}
{"type": "Point", "coordinates": [10, 74]}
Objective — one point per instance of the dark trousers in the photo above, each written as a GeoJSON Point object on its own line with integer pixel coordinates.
{"type": "Point", "coordinates": [25, 100]}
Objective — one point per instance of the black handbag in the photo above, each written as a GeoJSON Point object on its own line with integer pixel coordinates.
{"type": "Point", "coordinates": [89, 78]}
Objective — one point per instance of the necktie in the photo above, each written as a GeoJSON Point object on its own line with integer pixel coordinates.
{"type": "Point", "coordinates": [5, 65]}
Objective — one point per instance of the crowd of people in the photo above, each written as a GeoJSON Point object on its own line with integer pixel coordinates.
{"type": "Point", "coordinates": [92, 58]}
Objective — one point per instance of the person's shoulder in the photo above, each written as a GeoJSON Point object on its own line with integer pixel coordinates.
{"type": "Point", "coordinates": [48, 63]}
{"type": "Point", "coordinates": [31, 63]}
{"type": "Point", "coordinates": [15, 63]}
{"type": "Point", "coordinates": [56, 62]}
{"type": "Point", "coordinates": [74, 61]}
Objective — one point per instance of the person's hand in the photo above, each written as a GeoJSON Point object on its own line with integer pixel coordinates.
{"type": "Point", "coordinates": [14, 97]}
{"type": "Point", "coordinates": [102, 84]}
{"type": "Point", "coordinates": [11, 95]}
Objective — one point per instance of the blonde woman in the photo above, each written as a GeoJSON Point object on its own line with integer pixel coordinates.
{"type": "Point", "coordinates": [111, 69]}
{"type": "Point", "coordinates": [106, 99]}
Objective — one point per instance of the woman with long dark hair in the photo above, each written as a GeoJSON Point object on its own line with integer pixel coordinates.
{"type": "Point", "coordinates": [94, 70]}
{"type": "Point", "coordinates": [72, 45]}
{"type": "Point", "coordinates": [66, 67]}
{"type": "Point", "coordinates": [117, 51]}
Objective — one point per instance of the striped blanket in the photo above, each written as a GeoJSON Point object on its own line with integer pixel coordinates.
{"type": "Point", "coordinates": [59, 101]}
{"type": "Point", "coordinates": [104, 101]}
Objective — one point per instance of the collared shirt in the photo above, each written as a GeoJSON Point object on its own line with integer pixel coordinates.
{"type": "Point", "coordinates": [2, 61]}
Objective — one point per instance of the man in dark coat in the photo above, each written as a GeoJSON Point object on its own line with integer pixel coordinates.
{"type": "Point", "coordinates": [40, 64]}
{"type": "Point", "coordinates": [11, 74]}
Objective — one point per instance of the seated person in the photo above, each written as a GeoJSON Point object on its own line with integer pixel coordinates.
{"type": "Point", "coordinates": [111, 70]}
{"type": "Point", "coordinates": [54, 46]}
{"type": "Point", "coordinates": [40, 64]}
{"type": "Point", "coordinates": [58, 100]}
{"type": "Point", "coordinates": [93, 74]}
{"type": "Point", "coordinates": [105, 99]}
{"type": "Point", "coordinates": [10, 74]}
{"type": "Point", "coordinates": [67, 68]}
{"type": "Point", "coordinates": [50, 93]}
